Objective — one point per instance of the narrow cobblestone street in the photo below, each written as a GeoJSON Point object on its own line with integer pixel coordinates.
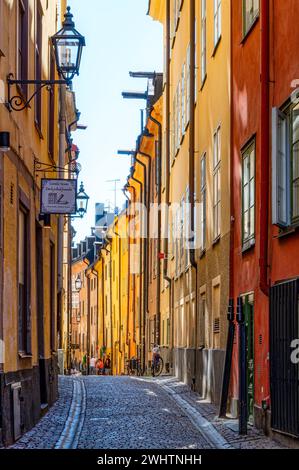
{"type": "Point", "coordinates": [133, 413]}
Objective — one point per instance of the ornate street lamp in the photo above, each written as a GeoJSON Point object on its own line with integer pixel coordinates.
{"type": "Point", "coordinates": [82, 202]}
{"type": "Point", "coordinates": [68, 44]}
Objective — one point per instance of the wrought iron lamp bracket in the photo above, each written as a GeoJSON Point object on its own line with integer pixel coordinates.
{"type": "Point", "coordinates": [17, 102]}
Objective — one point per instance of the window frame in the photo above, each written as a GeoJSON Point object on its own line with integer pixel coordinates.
{"type": "Point", "coordinates": [203, 42]}
{"type": "Point", "coordinates": [38, 53]}
{"type": "Point", "coordinates": [217, 22]}
{"type": "Point", "coordinates": [24, 317]}
{"type": "Point", "coordinates": [247, 29]}
{"type": "Point", "coordinates": [217, 175]}
{"type": "Point", "coordinates": [203, 194]}
{"type": "Point", "coordinates": [249, 242]}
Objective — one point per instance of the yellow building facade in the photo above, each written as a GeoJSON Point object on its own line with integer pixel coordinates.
{"type": "Point", "coordinates": [28, 249]}
{"type": "Point", "coordinates": [197, 134]}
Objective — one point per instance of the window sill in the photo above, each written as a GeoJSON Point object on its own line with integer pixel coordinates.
{"type": "Point", "coordinates": [286, 231]}
{"type": "Point", "coordinates": [216, 46]}
{"type": "Point", "coordinates": [23, 355]}
{"type": "Point", "coordinates": [247, 246]}
{"type": "Point", "coordinates": [216, 241]}
{"type": "Point", "coordinates": [203, 82]}
{"type": "Point", "coordinates": [245, 35]}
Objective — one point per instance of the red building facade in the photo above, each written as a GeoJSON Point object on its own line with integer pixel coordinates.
{"type": "Point", "coordinates": [265, 212]}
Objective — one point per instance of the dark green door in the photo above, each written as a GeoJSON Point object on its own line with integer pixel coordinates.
{"type": "Point", "coordinates": [249, 322]}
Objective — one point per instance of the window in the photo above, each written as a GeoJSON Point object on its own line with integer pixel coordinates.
{"type": "Point", "coordinates": [22, 38]}
{"type": "Point", "coordinates": [203, 52]}
{"type": "Point", "coordinates": [203, 192]}
{"type": "Point", "coordinates": [178, 119]}
{"type": "Point", "coordinates": [285, 165]}
{"type": "Point", "coordinates": [38, 64]}
{"type": "Point", "coordinates": [216, 184]}
{"type": "Point", "coordinates": [23, 281]}
{"type": "Point", "coordinates": [217, 21]}
{"type": "Point", "coordinates": [248, 195]}
{"type": "Point", "coordinates": [250, 14]}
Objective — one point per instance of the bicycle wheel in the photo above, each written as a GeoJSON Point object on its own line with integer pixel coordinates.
{"type": "Point", "coordinates": [158, 367]}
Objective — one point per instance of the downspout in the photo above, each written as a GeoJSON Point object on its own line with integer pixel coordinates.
{"type": "Point", "coordinates": [140, 257]}
{"type": "Point", "coordinates": [97, 309]}
{"type": "Point", "coordinates": [129, 276]}
{"type": "Point", "coordinates": [191, 169]}
{"type": "Point", "coordinates": [133, 281]}
{"type": "Point", "coordinates": [167, 176]}
{"type": "Point", "coordinates": [119, 287]}
{"type": "Point", "coordinates": [158, 299]}
{"type": "Point", "coordinates": [145, 267]}
{"type": "Point", "coordinates": [103, 301]}
{"type": "Point", "coordinates": [265, 145]}
{"type": "Point", "coordinates": [88, 317]}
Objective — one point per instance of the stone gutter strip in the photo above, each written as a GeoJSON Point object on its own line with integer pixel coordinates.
{"type": "Point", "coordinates": [208, 431]}
{"type": "Point", "coordinates": [70, 435]}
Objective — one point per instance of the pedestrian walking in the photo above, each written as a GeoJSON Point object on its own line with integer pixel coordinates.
{"type": "Point", "coordinates": [92, 366]}
{"type": "Point", "coordinates": [107, 365]}
{"type": "Point", "coordinates": [100, 366]}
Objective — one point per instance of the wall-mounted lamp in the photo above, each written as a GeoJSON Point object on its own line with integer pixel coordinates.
{"type": "Point", "coordinates": [4, 141]}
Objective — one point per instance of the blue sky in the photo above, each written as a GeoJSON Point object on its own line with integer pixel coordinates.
{"type": "Point", "coordinates": [119, 37]}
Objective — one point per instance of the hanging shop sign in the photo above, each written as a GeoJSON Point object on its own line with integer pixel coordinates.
{"type": "Point", "coordinates": [58, 196]}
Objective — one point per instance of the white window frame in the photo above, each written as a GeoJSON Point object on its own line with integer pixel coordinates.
{"type": "Point", "coordinates": [203, 44]}
{"type": "Point", "coordinates": [248, 155]}
{"type": "Point", "coordinates": [217, 184]}
{"type": "Point", "coordinates": [217, 21]}
{"type": "Point", "coordinates": [203, 193]}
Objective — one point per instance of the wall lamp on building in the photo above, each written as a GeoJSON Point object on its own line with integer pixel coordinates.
{"type": "Point", "coordinates": [82, 203]}
{"type": "Point", "coordinates": [68, 44]}
{"type": "Point", "coordinates": [4, 141]}
{"type": "Point", "coordinates": [78, 284]}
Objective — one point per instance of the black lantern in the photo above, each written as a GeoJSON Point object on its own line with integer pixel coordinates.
{"type": "Point", "coordinates": [68, 44]}
{"type": "Point", "coordinates": [82, 201]}
{"type": "Point", "coordinates": [78, 284]}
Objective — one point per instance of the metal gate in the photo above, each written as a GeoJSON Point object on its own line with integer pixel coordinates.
{"type": "Point", "coordinates": [284, 374]}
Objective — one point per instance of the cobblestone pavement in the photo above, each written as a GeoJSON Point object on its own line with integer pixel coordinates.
{"type": "Point", "coordinates": [133, 413]}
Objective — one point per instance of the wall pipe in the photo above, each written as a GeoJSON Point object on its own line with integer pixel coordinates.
{"type": "Point", "coordinates": [191, 170]}
{"type": "Point", "coordinates": [265, 145]}
{"type": "Point", "coordinates": [158, 299]}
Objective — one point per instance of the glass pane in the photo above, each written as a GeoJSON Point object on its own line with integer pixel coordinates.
{"type": "Point", "coordinates": [246, 197]}
{"type": "Point", "coordinates": [296, 161]}
{"type": "Point", "coordinates": [252, 162]}
{"type": "Point", "coordinates": [245, 170]}
{"type": "Point", "coordinates": [246, 225]}
{"type": "Point", "coordinates": [252, 195]}
{"type": "Point", "coordinates": [251, 229]}
{"type": "Point", "coordinates": [296, 199]}
{"type": "Point", "coordinates": [296, 123]}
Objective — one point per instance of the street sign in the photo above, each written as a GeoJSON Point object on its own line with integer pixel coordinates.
{"type": "Point", "coordinates": [58, 196]}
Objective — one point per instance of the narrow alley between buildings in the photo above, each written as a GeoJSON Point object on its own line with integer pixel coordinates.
{"type": "Point", "coordinates": [134, 413]}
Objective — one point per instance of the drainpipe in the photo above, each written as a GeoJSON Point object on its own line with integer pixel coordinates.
{"type": "Point", "coordinates": [119, 287]}
{"type": "Point", "coordinates": [97, 307]}
{"type": "Point", "coordinates": [145, 257]}
{"type": "Point", "coordinates": [158, 300]}
{"type": "Point", "coordinates": [129, 275]}
{"type": "Point", "coordinates": [265, 145]}
{"type": "Point", "coordinates": [167, 176]}
{"type": "Point", "coordinates": [191, 168]}
{"type": "Point", "coordinates": [62, 129]}
{"type": "Point", "coordinates": [140, 257]}
{"type": "Point", "coordinates": [103, 300]}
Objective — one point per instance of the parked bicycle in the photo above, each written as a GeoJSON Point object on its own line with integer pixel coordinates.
{"type": "Point", "coordinates": [157, 361]}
